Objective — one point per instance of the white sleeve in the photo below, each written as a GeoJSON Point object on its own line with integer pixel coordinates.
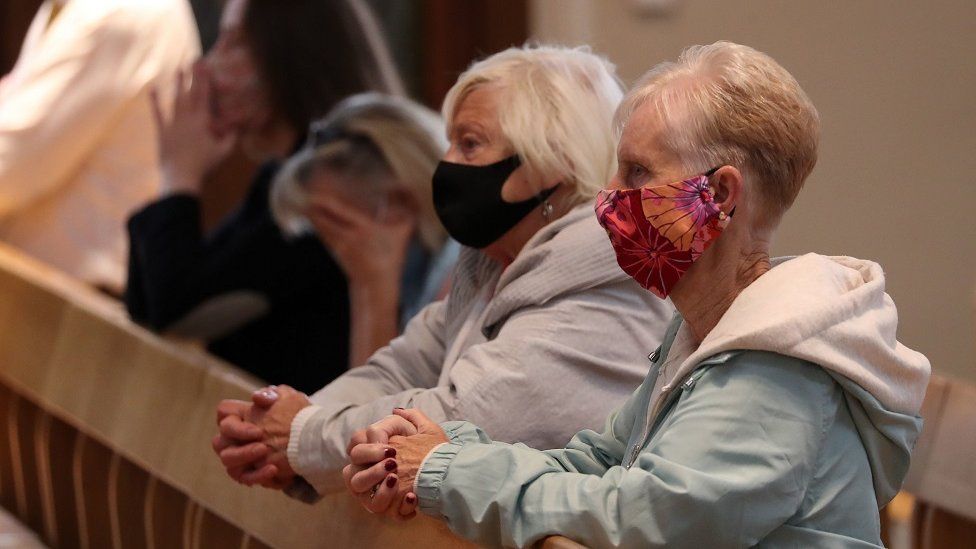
{"type": "Point", "coordinates": [66, 94]}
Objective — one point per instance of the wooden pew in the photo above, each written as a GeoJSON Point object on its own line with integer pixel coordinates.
{"type": "Point", "coordinates": [942, 479]}
{"type": "Point", "coordinates": [106, 430]}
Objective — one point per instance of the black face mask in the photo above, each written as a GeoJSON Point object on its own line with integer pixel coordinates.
{"type": "Point", "coordinates": [468, 200]}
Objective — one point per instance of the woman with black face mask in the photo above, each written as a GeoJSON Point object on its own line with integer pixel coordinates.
{"type": "Point", "coordinates": [536, 298]}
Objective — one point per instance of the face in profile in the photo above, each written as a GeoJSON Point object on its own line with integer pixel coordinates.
{"type": "Point", "coordinates": [239, 102]}
{"type": "Point", "coordinates": [476, 139]}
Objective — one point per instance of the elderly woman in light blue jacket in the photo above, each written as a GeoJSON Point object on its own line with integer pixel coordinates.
{"type": "Point", "coordinates": [780, 409]}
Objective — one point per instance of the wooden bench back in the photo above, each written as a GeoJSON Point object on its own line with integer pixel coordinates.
{"type": "Point", "coordinates": [106, 430]}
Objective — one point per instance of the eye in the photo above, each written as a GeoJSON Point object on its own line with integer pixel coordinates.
{"type": "Point", "coordinates": [636, 175]}
{"type": "Point", "coordinates": [469, 143]}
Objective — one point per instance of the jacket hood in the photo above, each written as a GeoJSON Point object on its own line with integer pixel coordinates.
{"type": "Point", "coordinates": [834, 312]}
{"type": "Point", "coordinates": [569, 255]}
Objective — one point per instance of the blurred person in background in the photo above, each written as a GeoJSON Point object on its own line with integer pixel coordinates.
{"type": "Point", "coordinates": [362, 183]}
{"type": "Point", "coordinates": [78, 148]}
{"type": "Point", "coordinates": [277, 307]}
{"type": "Point", "coordinates": [535, 302]}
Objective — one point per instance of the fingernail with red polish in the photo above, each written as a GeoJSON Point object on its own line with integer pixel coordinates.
{"type": "Point", "coordinates": [398, 408]}
{"type": "Point", "coordinates": [410, 498]}
{"type": "Point", "coordinates": [391, 481]}
{"type": "Point", "coordinates": [390, 465]}
{"type": "Point", "coordinates": [389, 452]}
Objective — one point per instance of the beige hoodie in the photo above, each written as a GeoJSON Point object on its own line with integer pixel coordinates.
{"type": "Point", "coordinates": [831, 311]}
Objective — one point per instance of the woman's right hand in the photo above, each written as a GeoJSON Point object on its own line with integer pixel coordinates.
{"type": "Point", "coordinates": [188, 146]}
{"type": "Point", "coordinates": [371, 251]}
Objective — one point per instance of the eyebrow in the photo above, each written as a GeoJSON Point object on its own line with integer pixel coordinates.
{"type": "Point", "coordinates": [468, 125]}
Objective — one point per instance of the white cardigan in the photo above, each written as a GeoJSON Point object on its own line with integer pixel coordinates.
{"type": "Point", "coordinates": [78, 145]}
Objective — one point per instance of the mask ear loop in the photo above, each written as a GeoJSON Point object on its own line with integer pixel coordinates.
{"type": "Point", "coordinates": [722, 216]}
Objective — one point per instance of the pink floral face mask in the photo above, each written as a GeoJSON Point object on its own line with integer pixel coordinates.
{"type": "Point", "coordinates": [658, 232]}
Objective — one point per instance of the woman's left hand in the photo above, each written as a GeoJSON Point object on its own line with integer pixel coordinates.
{"type": "Point", "coordinates": [385, 488]}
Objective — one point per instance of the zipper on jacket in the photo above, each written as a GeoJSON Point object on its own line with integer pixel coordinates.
{"type": "Point", "coordinates": [655, 415]}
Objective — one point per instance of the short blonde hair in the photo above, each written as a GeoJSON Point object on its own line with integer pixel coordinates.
{"type": "Point", "coordinates": [372, 137]}
{"type": "Point", "coordinates": [729, 104]}
{"type": "Point", "coordinates": [556, 108]}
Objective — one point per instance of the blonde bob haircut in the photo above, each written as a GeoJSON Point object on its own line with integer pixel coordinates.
{"type": "Point", "coordinates": [725, 103]}
{"type": "Point", "coordinates": [377, 146]}
{"type": "Point", "coordinates": [556, 107]}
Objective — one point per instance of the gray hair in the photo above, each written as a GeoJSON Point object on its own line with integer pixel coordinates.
{"type": "Point", "coordinates": [374, 137]}
{"type": "Point", "coordinates": [725, 103]}
{"type": "Point", "coordinates": [557, 106]}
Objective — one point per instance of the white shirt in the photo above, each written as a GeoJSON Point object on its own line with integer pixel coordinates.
{"type": "Point", "coordinates": [78, 149]}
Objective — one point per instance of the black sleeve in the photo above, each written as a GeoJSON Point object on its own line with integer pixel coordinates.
{"type": "Point", "coordinates": [173, 267]}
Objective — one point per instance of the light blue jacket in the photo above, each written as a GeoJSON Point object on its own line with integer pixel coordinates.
{"type": "Point", "coordinates": [752, 447]}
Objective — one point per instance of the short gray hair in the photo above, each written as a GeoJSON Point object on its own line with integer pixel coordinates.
{"type": "Point", "coordinates": [556, 109]}
{"type": "Point", "coordinates": [725, 103]}
{"type": "Point", "coordinates": [374, 136]}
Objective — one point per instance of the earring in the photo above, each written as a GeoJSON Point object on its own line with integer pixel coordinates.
{"type": "Point", "coordinates": [722, 216]}
{"type": "Point", "coordinates": [547, 210]}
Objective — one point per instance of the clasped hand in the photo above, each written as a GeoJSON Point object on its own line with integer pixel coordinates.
{"type": "Point", "coordinates": [252, 441]}
{"type": "Point", "coordinates": [385, 458]}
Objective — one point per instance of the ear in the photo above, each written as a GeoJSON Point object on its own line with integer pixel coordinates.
{"type": "Point", "coordinates": [727, 185]}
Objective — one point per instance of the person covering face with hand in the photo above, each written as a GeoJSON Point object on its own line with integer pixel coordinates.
{"type": "Point", "coordinates": [780, 410]}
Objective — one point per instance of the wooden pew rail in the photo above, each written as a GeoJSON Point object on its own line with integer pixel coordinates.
{"type": "Point", "coordinates": [106, 434]}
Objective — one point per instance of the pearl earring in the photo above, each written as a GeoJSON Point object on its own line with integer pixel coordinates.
{"type": "Point", "coordinates": [722, 216]}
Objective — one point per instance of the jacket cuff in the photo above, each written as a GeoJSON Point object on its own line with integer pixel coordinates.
{"type": "Point", "coordinates": [461, 432]}
{"type": "Point", "coordinates": [431, 476]}
{"type": "Point", "coordinates": [298, 462]}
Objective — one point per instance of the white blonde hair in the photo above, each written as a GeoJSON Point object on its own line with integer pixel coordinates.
{"type": "Point", "coordinates": [556, 107]}
{"type": "Point", "coordinates": [373, 137]}
{"type": "Point", "coordinates": [725, 103]}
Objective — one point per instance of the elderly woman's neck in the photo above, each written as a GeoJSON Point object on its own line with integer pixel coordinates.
{"type": "Point", "coordinates": [708, 290]}
{"type": "Point", "coordinates": [509, 246]}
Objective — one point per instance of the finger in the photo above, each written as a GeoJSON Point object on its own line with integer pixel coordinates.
{"type": "Point", "coordinates": [265, 397]}
{"type": "Point", "coordinates": [348, 472]}
{"type": "Point", "coordinates": [335, 208]}
{"type": "Point", "coordinates": [368, 454]}
{"type": "Point", "coordinates": [238, 456]}
{"type": "Point", "coordinates": [383, 497]}
{"type": "Point", "coordinates": [199, 86]}
{"type": "Point", "coordinates": [236, 472]}
{"type": "Point", "coordinates": [236, 428]}
{"type": "Point", "coordinates": [357, 438]}
{"type": "Point", "coordinates": [369, 477]}
{"type": "Point", "coordinates": [382, 430]}
{"type": "Point", "coordinates": [329, 224]}
{"type": "Point", "coordinates": [179, 92]}
{"type": "Point", "coordinates": [228, 407]}
{"type": "Point", "coordinates": [408, 505]}
{"type": "Point", "coordinates": [219, 443]}
{"type": "Point", "coordinates": [260, 476]}
{"type": "Point", "coordinates": [417, 418]}
{"type": "Point", "coordinates": [157, 109]}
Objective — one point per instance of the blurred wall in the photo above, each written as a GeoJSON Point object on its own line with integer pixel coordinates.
{"type": "Point", "coordinates": [895, 83]}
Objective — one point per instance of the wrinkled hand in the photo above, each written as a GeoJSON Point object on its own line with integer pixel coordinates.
{"type": "Point", "coordinates": [381, 472]}
{"type": "Point", "coordinates": [252, 442]}
{"type": "Point", "coordinates": [369, 250]}
{"type": "Point", "coordinates": [188, 145]}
